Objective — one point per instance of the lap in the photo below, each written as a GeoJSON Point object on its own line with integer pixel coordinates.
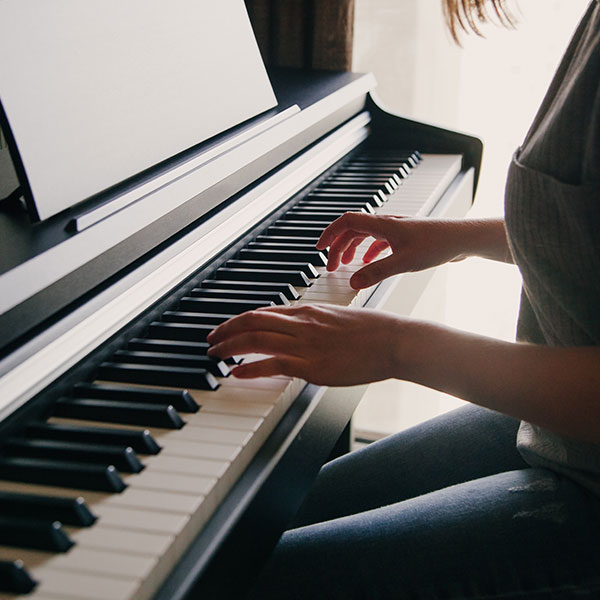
{"type": "Point", "coordinates": [465, 444]}
{"type": "Point", "coordinates": [465, 518]}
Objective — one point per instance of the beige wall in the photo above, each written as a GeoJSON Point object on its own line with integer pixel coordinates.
{"type": "Point", "coordinates": [404, 43]}
{"type": "Point", "coordinates": [417, 67]}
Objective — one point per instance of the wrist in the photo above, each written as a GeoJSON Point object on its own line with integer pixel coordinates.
{"type": "Point", "coordinates": [413, 344]}
{"type": "Point", "coordinates": [484, 238]}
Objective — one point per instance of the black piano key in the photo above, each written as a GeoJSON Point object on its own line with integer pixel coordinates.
{"type": "Point", "coordinates": [140, 440]}
{"type": "Point", "coordinates": [127, 413]}
{"type": "Point", "coordinates": [121, 457]}
{"type": "Point", "coordinates": [391, 153]}
{"type": "Point", "coordinates": [361, 173]}
{"type": "Point", "coordinates": [297, 214]}
{"type": "Point", "coordinates": [387, 184]}
{"type": "Point", "coordinates": [372, 199]}
{"type": "Point", "coordinates": [34, 534]}
{"type": "Point", "coordinates": [215, 366]}
{"type": "Point", "coordinates": [384, 185]}
{"type": "Point", "coordinates": [199, 318]}
{"type": "Point", "coordinates": [295, 232]}
{"type": "Point", "coordinates": [180, 399]}
{"type": "Point", "coordinates": [337, 206]}
{"type": "Point", "coordinates": [286, 289]}
{"type": "Point", "coordinates": [372, 178]}
{"type": "Point", "coordinates": [342, 206]}
{"type": "Point", "coordinates": [228, 293]}
{"type": "Point", "coordinates": [303, 224]}
{"type": "Point", "coordinates": [179, 331]}
{"type": "Point", "coordinates": [343, 183]}
{"type": "Point", "coordinates": [377, 162]}
{"type": "Point", "coordinates": [265, 265]}
{"type": "Point", "coordinates": [385, 161]}
{"type": "Point", "coordinates": [176, 347]}
{"type": "Point", "coordinates": [295, 278]}
{"type": "Point", "coordinates": [14, 578]}
{"type": "Point", "coordinates": [85, 476]}
{"type": "Point", "coordinates": [70, 511]}
{"type": "Point", "coordinates": [288, 239]}
{"type": "Point", "coordinates": [229, 307]}
{"type": "Point", "coordinates": [291, 247]}
{"type": "Point", "coordinates": [397, 173]}
{"type": "Point", "coordinates": [340, 188]}
{"type": "Point", "coordinates": [313, 257]}
{"type": "Point", "coordinates": [199, 379]}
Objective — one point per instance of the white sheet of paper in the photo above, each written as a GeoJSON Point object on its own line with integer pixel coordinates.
{"type": "Point", "coordinates": [96, 91]}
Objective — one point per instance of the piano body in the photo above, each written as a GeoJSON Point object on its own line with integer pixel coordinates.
{"type": "Point", "coordinates": [131, 466]}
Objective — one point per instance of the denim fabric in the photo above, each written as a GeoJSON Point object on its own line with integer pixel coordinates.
{"type": "Point", "coordinates": [447, 509]}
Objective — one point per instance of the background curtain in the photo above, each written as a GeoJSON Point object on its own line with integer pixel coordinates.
{"type": "Point", "coordinates": [311, 34]}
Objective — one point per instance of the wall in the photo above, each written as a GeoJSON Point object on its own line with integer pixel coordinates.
{"type": "Point", "coordinates": [491, 87]}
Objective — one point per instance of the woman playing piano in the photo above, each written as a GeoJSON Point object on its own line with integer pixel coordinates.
{"type": "Point", "coordinates": [500, 499]}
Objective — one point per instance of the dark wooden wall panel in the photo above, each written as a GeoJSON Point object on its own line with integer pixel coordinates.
{"type": "Point", "coordinates": [313, 34]}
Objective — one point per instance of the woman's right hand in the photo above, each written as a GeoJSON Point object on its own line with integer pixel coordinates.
{"type": "Point", "coordinates": [415, 244]}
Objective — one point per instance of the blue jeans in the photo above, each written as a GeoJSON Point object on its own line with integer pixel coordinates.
{"type": "Point", "coordinates": [445, 510]}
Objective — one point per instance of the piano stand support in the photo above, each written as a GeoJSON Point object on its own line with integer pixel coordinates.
{"type": "Point", "coordinates": [344, 443]}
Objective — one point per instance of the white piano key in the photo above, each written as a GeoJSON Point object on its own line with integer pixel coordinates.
{"type": "Point", "coordinates": [260, 383]}
{"type": "Point", "coordinates": [232, 391]}
{"type": "Point", "coordinates": [152, 480]}
{"type": "Point", "coordinates": [84, 586]}
{"type": "Point", "coordinates": [203, 434]}
{"type": "Point", "coordinates": [242, 423]}
{"type": "Point", "coordinates": [199, 449]}
{"type": "Point", "coordinates": [149, 521]}
{"type": "Point", "coordinates": [184, 465]}
{"type": "Point", "coordinates": [238, 407]}
{"type": "Point", "coordinates": [136, 543]}
{"type": "Point", "coordinates": [85, 560]}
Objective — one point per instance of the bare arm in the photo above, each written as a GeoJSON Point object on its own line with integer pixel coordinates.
{"type": "Point", "coordinates": [556, 388]}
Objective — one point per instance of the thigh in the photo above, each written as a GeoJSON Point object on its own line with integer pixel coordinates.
{"type": "Point", "coordinates": [464, 444]}
{"type": "Point", "coordinates": [519, 534]}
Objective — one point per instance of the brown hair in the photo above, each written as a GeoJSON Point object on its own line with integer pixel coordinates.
{"type": "Point", "coordinates": [467, 15]}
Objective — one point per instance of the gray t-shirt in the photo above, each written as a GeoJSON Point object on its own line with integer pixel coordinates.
{"type": "Point", "coordinates": [552, 206]}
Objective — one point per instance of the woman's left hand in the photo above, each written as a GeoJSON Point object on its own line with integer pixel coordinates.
{"type": "Point", "coordinates": [322, 344]}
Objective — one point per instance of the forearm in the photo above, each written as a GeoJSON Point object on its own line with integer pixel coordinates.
{"type": "Point", "coordinates": [485, 238]}
{"type": "Point", "coordinates": [556, 388]}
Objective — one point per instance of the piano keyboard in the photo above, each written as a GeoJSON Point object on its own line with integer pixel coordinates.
{"type": "Point", "coordinates": [101, 500]}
